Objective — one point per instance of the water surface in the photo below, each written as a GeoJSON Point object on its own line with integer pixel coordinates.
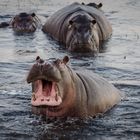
{"type": "Point", "coordinates": [120, 64]}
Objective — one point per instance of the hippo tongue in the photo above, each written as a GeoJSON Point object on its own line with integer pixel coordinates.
{"type": "Point", "coordinates": [48, 88]}
{"type": "Point", "coordinates": [46, 94]}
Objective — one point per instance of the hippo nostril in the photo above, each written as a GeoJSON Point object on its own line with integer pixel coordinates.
{"type": "Point", "coordinates": [48, 64]}
{"type": "Point", "coordinates": [42, 100]}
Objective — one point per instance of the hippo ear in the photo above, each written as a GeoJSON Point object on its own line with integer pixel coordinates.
{"type": "Point", "coordinates": [33, 14]}
{"type": "Point", "coordinates": [37, 58]}
{"type": "Point", "coordinates": [65, 59]}
{"type": "Point", "coordinates": [93, 22]}
{"type": "Point", "coordinates": [100, 5]}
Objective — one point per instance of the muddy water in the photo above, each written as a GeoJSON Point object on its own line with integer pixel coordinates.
{"type": "Point", "coordinates": [120, 64]}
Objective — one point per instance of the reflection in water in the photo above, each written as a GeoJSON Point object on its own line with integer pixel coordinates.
{"type": "Point", "coordinates": [119, 64]}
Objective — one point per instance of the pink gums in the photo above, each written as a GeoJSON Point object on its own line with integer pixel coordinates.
{"type": "Point", "coordinates": [46, 96]}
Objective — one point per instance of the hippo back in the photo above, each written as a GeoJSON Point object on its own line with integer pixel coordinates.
{"type": "Point", "coordinates": [101, 95]}
{"type": "Point", "coordinates": [57, 24]}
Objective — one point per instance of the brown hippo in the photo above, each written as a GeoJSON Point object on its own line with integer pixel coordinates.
{"type": "Point", "coordinates": [80, 27]}
{"type": "Point", "coordinates": [58, 91]}
{"type": "Point", "coordinates": [23, 22]}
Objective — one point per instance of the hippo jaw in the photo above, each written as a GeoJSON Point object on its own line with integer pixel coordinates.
{"type": "Point", "coordinates": [46, 93]}
{"type": "Point", "coordinates": [46, 97]}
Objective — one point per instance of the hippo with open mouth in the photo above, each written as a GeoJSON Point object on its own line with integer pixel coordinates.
{"type": "Point", "coordinates": [23, 22]}
{"type": "Point", "coordinates": [59, 91]}
{"type": "Point", "coordinates": [79, 27]}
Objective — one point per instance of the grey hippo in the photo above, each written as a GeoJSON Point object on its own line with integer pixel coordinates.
{"type": "Point", "coordinates": [79, 27]}
{"type": "Point", "coordinates": [59, 91]}
{"type": "Point", "coordinates": [23, 22]}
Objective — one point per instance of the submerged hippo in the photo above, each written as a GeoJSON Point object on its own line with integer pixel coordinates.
{"type": "Point", "coordinates": [98, 6]}
{"type": "Point", "coordinates": [59, 91]}
{"type": "Point", "coordinates": [23, 22]}
{"type": "Point", "coordinates": [80, 27]}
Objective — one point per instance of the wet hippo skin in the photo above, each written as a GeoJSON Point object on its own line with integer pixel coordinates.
{"type": "Point", "coordinates": [59, 91]}
{"type": "Point", "coordinates": [79, 27]}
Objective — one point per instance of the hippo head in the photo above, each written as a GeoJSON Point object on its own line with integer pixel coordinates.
{"type": "Point", "coordinates": [82, 35]}
{"type": "Point", "coordinates": [25, 22]}
{"type": "Point", "coordinates": [50, 80]}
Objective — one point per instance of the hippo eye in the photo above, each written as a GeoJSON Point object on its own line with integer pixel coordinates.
{"type": "Point", "coordinates": [33, 14]}
{"type": "Point", "coordinates": [93, 22]}
{"type": "Point", "coordinates": [70, 22]}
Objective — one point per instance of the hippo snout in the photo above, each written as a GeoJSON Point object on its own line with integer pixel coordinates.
{"type": "Point", "coordinates": [43, 70]}
{"type": "Point", "coordinates": [83, 44]}
{"type": "Point", "coordinates": [84, 40]}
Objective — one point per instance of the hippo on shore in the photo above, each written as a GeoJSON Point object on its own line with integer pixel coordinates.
{"type": "Point", "coordinates": [59, 91]}
{"type": "Point", "coordinates": [79, 27]}
{"type": "Point", "coordinates": [23, 22]}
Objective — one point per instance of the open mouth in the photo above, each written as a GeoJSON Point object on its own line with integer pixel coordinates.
{"type": "Point", "coordinates": [46, 93]}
